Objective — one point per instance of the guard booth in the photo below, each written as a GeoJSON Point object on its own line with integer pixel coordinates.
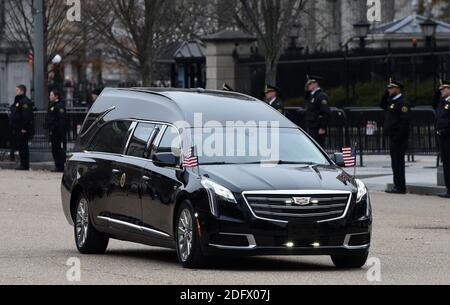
{"type": "Point", "coordinates": [187, 63]}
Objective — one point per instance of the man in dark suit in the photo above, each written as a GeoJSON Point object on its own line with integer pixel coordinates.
{"type": "Point", "coordinates": [22, 125]}
{"type": "Point", "coordinates": [397, 127]}
{"type": "Point", "coordinates": [272, 98]}
{"type": "Point", "coordinates": [443, 131]}
{"type": "Point", "coordinates": [56, 125]}
{"type": "Point", "coordinates": [318, 111]}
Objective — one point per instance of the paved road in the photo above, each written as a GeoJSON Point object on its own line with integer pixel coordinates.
{"type": "Point", "coordinates": [411, 239]}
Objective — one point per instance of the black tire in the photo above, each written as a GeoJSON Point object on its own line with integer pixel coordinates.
{"type": "Point", "coordinates": [350, 261]}
{"type": "Point", "coordinates": [196, 259]}
{"type": "Point", "coordinates": [95, 241]}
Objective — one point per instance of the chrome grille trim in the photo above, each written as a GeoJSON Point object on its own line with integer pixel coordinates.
{"type": "Point", "coordinates": [310, 193]}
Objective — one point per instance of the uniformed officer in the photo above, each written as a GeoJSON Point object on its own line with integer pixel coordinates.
{"type": "Point", "coordinates": [318, 111]}
{"type": "Point", "coordinates": [272, 98]}
{"type": "Point", "coordinates": [22, 125]}
{"type": "Point", "coordinates": [397, 127]}
{"type": "Point", "coordinates": [56, 125]}
{"type": "Point", "coordinates": [443, 131]}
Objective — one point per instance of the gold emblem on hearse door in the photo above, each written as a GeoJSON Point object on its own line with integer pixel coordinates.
{"type": "Point", "coordinates": [123, 180]}
{"type": "Point", "coordinates": [301, 201]}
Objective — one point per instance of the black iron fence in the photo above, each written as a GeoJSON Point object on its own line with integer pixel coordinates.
{"type": "Point", "coordinates": [40, 141]}
{"type": "Point", "coordinates": [364, 126]}
{"type": "Point", "coordinates": [347, 127]}
{"type": "Point", "coordinates": [350, 78]}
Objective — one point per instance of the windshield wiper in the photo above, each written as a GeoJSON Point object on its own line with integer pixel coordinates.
{"type": "Point", "coordinates": [230, 163]}
{"type": "Point", "coordinates": [281, 162]}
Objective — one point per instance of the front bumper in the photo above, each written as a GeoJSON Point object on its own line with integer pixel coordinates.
{"type": "Point", "coordinates": [243, 234]}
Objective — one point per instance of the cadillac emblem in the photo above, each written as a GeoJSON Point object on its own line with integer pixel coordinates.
{"type": "Point", "coordinates": [301, 201]}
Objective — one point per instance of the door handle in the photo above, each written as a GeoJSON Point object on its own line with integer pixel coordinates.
{"type": "Point", "coordinates": [116, 172]}
{"type": "Point", "coordinates": [146, 179]}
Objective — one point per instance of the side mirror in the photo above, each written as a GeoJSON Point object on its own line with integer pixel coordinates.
{"type": "Point", "coordinates": [166, 160]}
{"type": "Point", "coordinates": [338, 158]}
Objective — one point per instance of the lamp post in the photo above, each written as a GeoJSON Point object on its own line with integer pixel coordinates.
{"type": "Point", "coordinates": [293, 35]}
{"type": "Point", "coordinates": [429, 31]}
{"type": "Point", "coordinates": [362, 30]}
{"type": "Point", "coordinates": [57, 80]}
{"type": "Point", "coordinates": [39, 54]}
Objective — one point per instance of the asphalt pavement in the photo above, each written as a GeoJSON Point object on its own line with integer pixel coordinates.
{"type": "Point", "coordinates": [411, 241]}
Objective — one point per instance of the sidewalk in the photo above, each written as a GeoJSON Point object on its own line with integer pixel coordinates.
{"type": "Point", "coordinates": [421, 176]}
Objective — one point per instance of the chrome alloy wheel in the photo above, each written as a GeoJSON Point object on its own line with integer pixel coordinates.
{"type": "Point", "coordinates": [185, 235]}
{"type": "Point", "coordinates": [82, 222]}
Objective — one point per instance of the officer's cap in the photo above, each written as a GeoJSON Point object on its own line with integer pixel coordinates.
{"type": "Point", "coordinates": [444, 85]}
{"type": "Point", "coordinates": [311, 79]}
{"type": "Point", "coordinates": [270, 88]}
{"type": "Point", "coordinates": [395, 84]}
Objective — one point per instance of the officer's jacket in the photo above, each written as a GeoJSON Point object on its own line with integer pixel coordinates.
{"type": "Point", "coordinates": [278, 105]}
{"type": "Point", "coordinates": [398, 116]}
{"type": "Point", "coordinates": [443, 117]}
{"type": "Point", "coordinates": [21, 117]}
{"type": "Point", "coordinates": [55, 121]}
{"type": "Point", "coordinates": [318, 111]}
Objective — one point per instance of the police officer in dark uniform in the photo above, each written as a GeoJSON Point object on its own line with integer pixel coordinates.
{"type": "Point", "coordinates": [397, 127]}
{"type": "Point", "coordinates": [22, 125]}
{"type": "Point", "coordinates": [443, 131]}
{"type": "Point", "coordinates": [318, 111]}
{"type": "Point", "coordinates": [56, 125]}
{"type": "Point", "coordinates": [272, 98]}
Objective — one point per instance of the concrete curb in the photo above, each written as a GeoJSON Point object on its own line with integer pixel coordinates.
{"type": "Point", "coordinates": [34, 166]}
{"type": "Point", "coordinates": [423, 190]}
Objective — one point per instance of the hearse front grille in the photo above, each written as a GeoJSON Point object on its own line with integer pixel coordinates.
{"type": "Point", "coordinates": [298, 208]}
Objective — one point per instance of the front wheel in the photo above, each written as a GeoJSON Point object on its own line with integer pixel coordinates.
{"type": "Point", "coordinates": [87, 238]}
{"type": "Point", "coordinates": [350, 261]}
{"type": "Point", "coordinates": [187, 238]}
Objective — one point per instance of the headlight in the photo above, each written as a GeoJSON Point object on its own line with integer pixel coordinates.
{"type": "Point", "coordinates": [362, 191]}
{"type": "Point", "coordinates": [219, 190]}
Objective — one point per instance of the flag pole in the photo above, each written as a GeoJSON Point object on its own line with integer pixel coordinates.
{"type": "Point", "coordinates": [356, 158]}
{"type": "Point", "coordinates": [198, 162]}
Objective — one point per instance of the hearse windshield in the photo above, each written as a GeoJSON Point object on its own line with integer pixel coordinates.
{"type": "Point", "coordinates": [222, 146]}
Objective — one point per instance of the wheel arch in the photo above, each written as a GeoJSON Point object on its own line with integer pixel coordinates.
{"type": "Point", "coordinates": [75, 194]}
{"type": "Point", "coordinates": [183, 196]}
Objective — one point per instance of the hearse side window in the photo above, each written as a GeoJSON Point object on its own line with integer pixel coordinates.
{"type": "Point", "coordinates": [171, 142]}
{"type": "Point", "coordinates": [139, 140]}
{"type": "Point", "coordinates": [111, 138]}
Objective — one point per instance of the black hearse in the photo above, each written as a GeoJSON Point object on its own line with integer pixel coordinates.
{"type": "Point", "coordinates": [125, 180]}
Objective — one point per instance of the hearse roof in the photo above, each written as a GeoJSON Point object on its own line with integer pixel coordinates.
{"type": "Point", "coordinates": [174, 105]}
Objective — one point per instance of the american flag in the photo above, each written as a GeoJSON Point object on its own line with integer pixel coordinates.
{"type": "Point", "coordinates": [349, 156]}
{"type": "Point", "coordinates": [190, 160]}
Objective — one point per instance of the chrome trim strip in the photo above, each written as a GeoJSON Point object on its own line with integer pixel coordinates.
{"type": "Point", "coordinates": [348, 237]}
{"type": "Point", "coordinates": [131, 131]}
{"type": "Point", "coordinates": [250, 238]}
{"type": "Point", "coordinates": [136, 227]}
{"type": "Point", "coordinates": [96, 121]}
{"type": "Point", "coordinates": [295, 193]}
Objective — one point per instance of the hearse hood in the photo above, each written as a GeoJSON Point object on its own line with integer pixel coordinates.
{"type": "Point", "coordinates": [241, 178]}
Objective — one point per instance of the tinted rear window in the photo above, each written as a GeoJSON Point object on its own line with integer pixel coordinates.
{"type": "Point", "coordinates": [111, 138]}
